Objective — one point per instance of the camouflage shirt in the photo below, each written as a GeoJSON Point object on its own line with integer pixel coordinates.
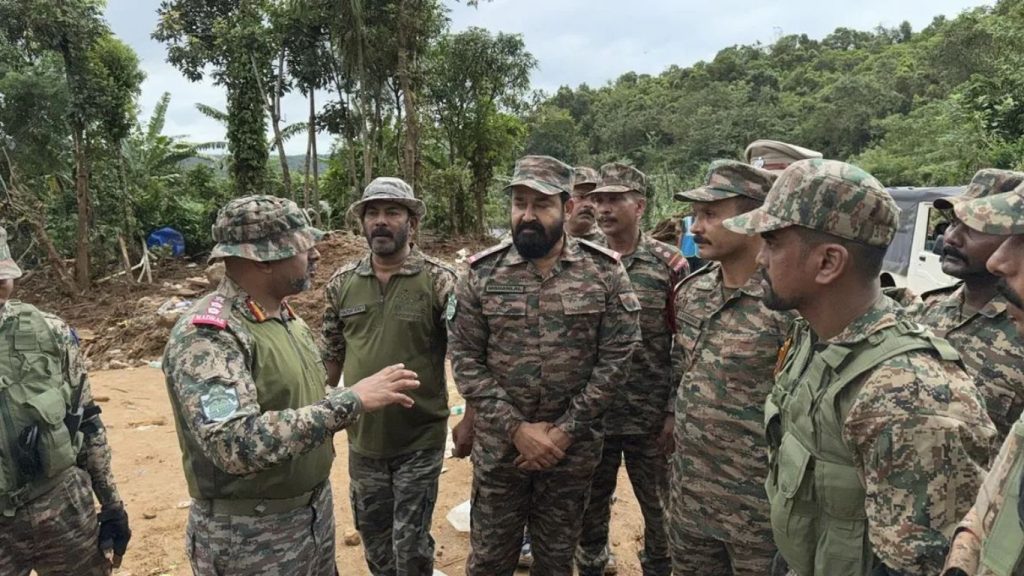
{"type": "Point", "coordinates": [654, 268]}
{"type": "Point", "coordinates": [530, 348]}
{"type": "Point", "coordinates": [730, 345]}
{"type": "Point", "coordinates": [94, 455]}
{"type": "Point", "coordinates": [920, 440]}
{"type": "Point", "coordinates": [963, 553]}
{"type": "Point", "coordinates": [988, 344]}
{"type": "Point", "coordinates": [199, 358]}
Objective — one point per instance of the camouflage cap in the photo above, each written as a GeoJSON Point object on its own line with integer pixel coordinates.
{"type": "Point", "coordinates": [987, 182]}
{"type": "Point", "coordinates": [1002, 214]}
{"type": "Point", "coordinates": [829, 196]}
{"type": "Point", "coordinates": [389, 190]}
{"type": "Point", "coordinates": [544, 174]}
{"type": "Point", "coordinates": [619, 177]}
{"type": "Point", "coordinates": [585, 175]}
{"type": "Point", "coordinates": [775, 156]}
{"type": "Point", "coordinates": [8, 267]}
{"type": "Point", "coordinates": [730, 178]}
{"type": "Point", "coordinates": [262, 228]}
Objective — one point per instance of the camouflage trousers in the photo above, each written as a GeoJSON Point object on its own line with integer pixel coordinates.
{"type": "Point", "coordinates": [505, 499]}
{"type": "Point", "coordinates": [295, 543]}
{"type": "Point", "coordinates": [648, 473]}
{"type": "Point", "coordinates": [699, 554]}
{"type": "Point", "coordinates": [393, 504]}
{"type": "Point", "coordinates": [56, 534]}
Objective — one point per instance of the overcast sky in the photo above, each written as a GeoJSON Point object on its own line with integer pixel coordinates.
{"type": "Point", "coordinates": [575, 41]}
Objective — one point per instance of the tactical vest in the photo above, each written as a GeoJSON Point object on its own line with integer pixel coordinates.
{"type": "Point", "coordinates": [288, 372]}
{"type": "Point", "coordinates": [1002, 552]}
{"type": "Point", "coordinates": [400, 324]}
{"type": "Point", "coordinates": [33, 392]}
{"type": "Point", "coordinates": [817, 499]}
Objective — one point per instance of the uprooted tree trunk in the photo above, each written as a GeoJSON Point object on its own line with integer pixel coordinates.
{"type": "Point", "coordinates": [34, 216]}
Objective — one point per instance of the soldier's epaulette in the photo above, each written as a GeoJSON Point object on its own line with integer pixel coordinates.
{"type": "Point", "coordinates": [670, 256]}
{"type": "Point", "coordinates": [940, 290]}
{"type": "Point", "coordinates": [699, 272]}
{"type": "Point", "coordinates": [479, 256]}
{"type": "Point", "coordinates": [601, 249]}
{"type": "Point", "coordinates": [344, 270]}
{"type": "Point", "coordinates": [215, 315]}
{"type": "Point", "coordinates": [439, 263]}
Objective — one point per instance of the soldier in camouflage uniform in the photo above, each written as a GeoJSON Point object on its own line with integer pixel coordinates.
{"type": "Point", "coordinates": [990, 541]}
{"type": "Point", "coordinates": [246, 384]}
{"type": "Point", "coordinates": [582, 214]}
{"type": "Point", "coordinates": [877, 438]}
{"type": "Point", "coordinates": [635, 425]}
{"type": "Point", "coordinates": [389, 307]}
{"type": "Point", "coordinates": [729, 342]}
{"type": "Point", "coordinates": [971, 314]}
{"type": "Point", "coordinates": [53, 449]}
{"type": "Point", "coordinates": [540, 339]}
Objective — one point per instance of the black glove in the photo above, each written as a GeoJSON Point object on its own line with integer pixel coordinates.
{"type": "Point", "coordinates": [114, 532]}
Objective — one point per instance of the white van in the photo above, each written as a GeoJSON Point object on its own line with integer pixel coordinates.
{"type": "Point", "coordinates": [912, 260]}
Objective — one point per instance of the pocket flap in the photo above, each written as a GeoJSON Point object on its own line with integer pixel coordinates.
{"type": "Point", "coordinates": [504, 305]}
{"type": "Point", "coordinates": [50, 406]}
{"type": "Point", "coordinates": [583, 303]}
{"type": "Point", "coordinates": [793, 460]}
{"type": "Point", "coordinates": [655, 299]}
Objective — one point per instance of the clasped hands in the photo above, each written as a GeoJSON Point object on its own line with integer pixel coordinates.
{"type": "Point", "coordinates": [541, 445]}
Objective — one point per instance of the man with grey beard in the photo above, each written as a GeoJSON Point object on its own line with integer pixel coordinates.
{"type": "Point", "coordinates": [390, 307]}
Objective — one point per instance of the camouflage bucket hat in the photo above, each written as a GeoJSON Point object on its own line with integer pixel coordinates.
{"type": "Point", "coordinates": [544, 174]}
{"type": "Point", "coordinates": [618, 177]}
{"type": "Point", "coordinates": [987, 182]}
{"type": "Point", "coordinates": [387, 189]}
{"type": "Point", "coordinates": [585, 175]}
{"type": "Point", "coordinates": [1002, 214]}
{"type": "Point", "coordinates": [262, 228]}
{"type": "Point", "coordinates": [828, 196]}
{"type": "Point", "coordinates": [8, 267]}
{"type": "Point", "coordinates": [728, 179]}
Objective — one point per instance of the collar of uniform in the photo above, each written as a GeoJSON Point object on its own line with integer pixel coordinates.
{"type": "Point", "coordinates": [991, 309]}
{"type": "Point", "coordinates": [246, 306]}
{"type": "Point", "coordinates": [570, 252]}
{"type": "Point", "coordinates": [882, 314]}
{"type": "Point", "coordinates": [5, 312]}
{"type": "Point", "coordinates": [644, 249]}
{"type": "Point", "coordinates": [412, 265]}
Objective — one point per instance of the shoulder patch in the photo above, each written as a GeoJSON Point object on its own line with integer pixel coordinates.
{"type": "Point", "coordinates": [215, 315]}
{"type": "Point", "coordinates": [475, 258]}
{"type": "Point", "coordinates": [670, 256]}
{"type": "Point", "coordinates": [598, 248]}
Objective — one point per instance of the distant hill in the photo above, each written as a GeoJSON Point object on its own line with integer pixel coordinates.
{"type": "Point", "coordinates": [296, 162]}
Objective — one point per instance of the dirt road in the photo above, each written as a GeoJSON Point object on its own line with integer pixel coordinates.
{"type": "Point", "coordinates": [147, 463]}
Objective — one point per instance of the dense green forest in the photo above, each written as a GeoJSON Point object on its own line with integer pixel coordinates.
{"type": "Point", "coordinates": [399, 93]}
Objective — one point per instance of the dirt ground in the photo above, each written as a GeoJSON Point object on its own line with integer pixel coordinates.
{"type": "Point", "coordinates": [122, 324]}
{"type": "Point", "coordinates": [147, 464]}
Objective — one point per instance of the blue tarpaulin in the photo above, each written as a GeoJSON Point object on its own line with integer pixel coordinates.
{"type": "Point", "coordinates": [167, 237]}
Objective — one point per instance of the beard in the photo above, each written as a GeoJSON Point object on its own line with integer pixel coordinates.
{"type": "Point", "coordinates": [534, 241]}
{"type": "Point", "coordinates": [1003, 288]}
{"type": "Point", "coordinates": [772, 300]}
{"type": "Point", "coordinates": [383, 243]}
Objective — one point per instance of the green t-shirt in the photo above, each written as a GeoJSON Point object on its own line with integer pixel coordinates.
{"type": "Point", "coordinates": [403, 322]}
